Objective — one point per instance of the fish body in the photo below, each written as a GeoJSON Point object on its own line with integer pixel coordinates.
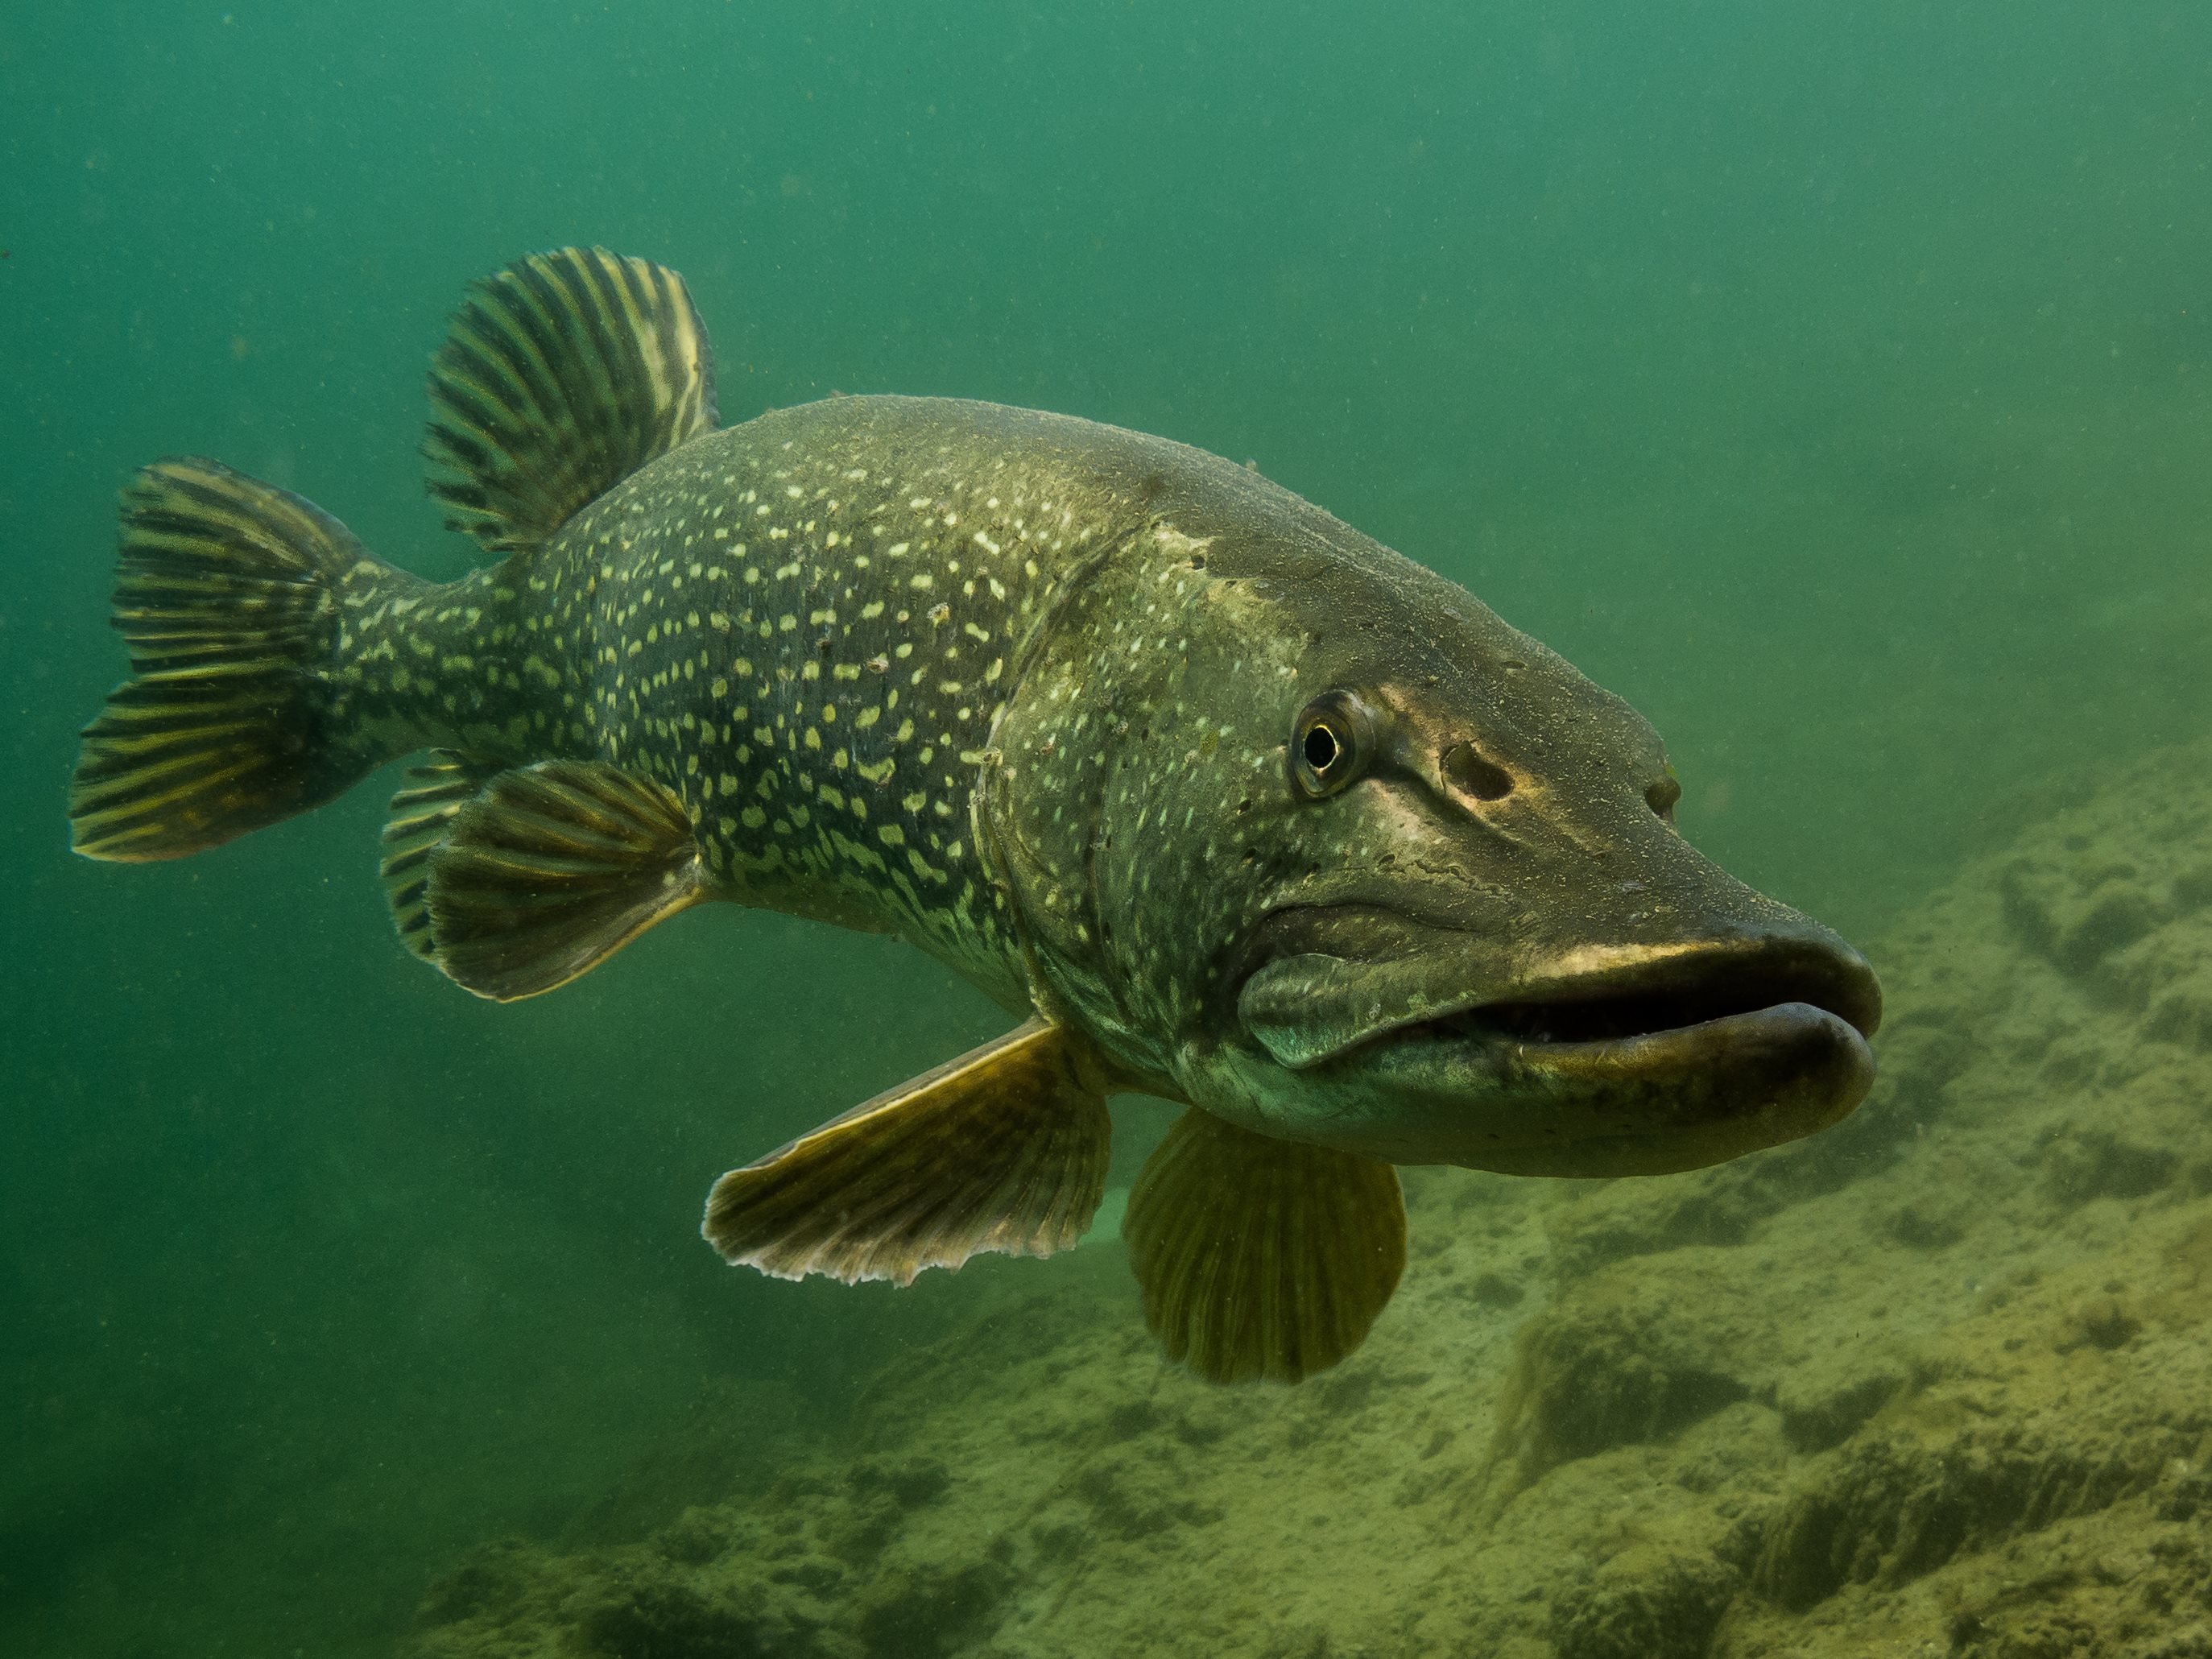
{"type": "Point", "coordinates": [805, 628]}
{"type": "Point", "coordinates": [1226, 802]}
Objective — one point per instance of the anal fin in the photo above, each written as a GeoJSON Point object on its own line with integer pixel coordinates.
{"type": "Point", "coordinates": [415, 824]}
{"type": "Point", "coordinates": [1258, 1257]}
{"type": "Point", "coordinates": [550, 869]}
{"type": "Point", "coordinates": [1003, 1150]}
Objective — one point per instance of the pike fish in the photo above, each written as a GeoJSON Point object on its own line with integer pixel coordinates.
{"type": "Point", "coordinates": [1223, 802]}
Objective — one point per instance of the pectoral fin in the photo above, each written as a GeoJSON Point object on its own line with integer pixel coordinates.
{"type": "Point", "coordinates": [1258, 1257]}
{"type": "Point", "coordinates": [1003, 1150]}
{"type": "Point", "coordinates": [545, 873]}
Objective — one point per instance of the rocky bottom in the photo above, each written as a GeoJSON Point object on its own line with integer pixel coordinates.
{"type": "Point", "coordinates": [1938, 1381]}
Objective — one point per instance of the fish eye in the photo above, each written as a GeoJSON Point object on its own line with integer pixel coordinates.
{"type": "Point", "coordinates": [1330, 745]}
{"type": "Point", "coordinates": [1662, 796]}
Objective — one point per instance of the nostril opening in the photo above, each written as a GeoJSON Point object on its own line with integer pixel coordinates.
{"type": "Point", "coordinates": [1466, 770]}
{"type": "Point", "coordinates": [1662, 795]}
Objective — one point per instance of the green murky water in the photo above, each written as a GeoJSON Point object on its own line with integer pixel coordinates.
{"type": "Point", "coordinates": [1829, 380]}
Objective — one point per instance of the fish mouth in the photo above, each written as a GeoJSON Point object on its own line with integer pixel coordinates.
{"type": "Point", "coordinates": [1311, 999]}
{"type": "Point", "coordinates": [1652, 999]}
{"type": "Point", "coordinates": [1613, 1060]}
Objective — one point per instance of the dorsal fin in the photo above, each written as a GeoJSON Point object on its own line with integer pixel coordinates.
{"type": "Point", "coordinates": [562, 375]}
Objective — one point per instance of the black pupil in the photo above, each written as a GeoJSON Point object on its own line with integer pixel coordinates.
{"type": "Point", "coordinates": [1321, 748]}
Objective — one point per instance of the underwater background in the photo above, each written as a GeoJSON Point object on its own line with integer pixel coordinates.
{"type": "Point", "coordinates": [1830, 382]}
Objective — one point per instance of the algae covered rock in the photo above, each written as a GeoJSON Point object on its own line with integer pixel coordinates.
{"type": "Point", "coordinates": [1622, 1362]}
{"type": "Point", "coordinates": [1654, 1601]}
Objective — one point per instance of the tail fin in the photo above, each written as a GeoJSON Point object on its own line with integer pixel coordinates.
{"type": "Point", "coordinates": [228, 594]}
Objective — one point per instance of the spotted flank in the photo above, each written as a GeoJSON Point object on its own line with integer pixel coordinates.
{"type": "Point", "coordinates": [1220, 800]}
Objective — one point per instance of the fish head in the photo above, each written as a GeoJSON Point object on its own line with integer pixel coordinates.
{"type": "Point", "coordinates": [1356, 863]}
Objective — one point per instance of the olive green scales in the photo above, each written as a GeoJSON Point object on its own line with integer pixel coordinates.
{"type": "Point", "coordinates": [1224, 802]}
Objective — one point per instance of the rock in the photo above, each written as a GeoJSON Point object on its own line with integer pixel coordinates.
{"type": "Point", "coordinates": [488, 1586]}
{"type": "Point", "coordinates": [2077, 911]}
{"type": "Point", "coordinates": [930, 1610]}
{"type": "Point", "coordinates": [2000, 1450]}
{"type": "Point", "coordinates": [1622, 1363]}
{"type": "Point", "coordinates": [2093, 1163]}
{"type": "Point", "coordinates": [1655, 1601]}
{"type": "Point", "coordinates": [1824, 1403]}
{"type": "Point", "coordinates": [642, 1618]}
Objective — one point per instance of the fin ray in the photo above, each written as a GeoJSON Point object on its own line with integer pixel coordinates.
{"type": "Point", "coordinates": [1258, 1257]}
{"type": "Point", "coordinates": [1003, 1150]}
{"type": "Point", "coordinates": [541, 874]}
{"type": "Point", "coordinates": [562, 375]}
{"type": "Point", "coordinates": [415, 824]}
{"type": "Point", "coordinates": [227, 595]}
